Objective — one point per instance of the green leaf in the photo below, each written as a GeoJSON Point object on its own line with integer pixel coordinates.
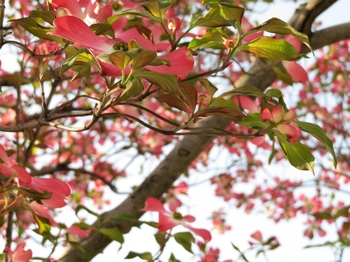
{"type": "Point", "coordinates": [297, 154]}
{"type": "Point", "coordinates": [270, 48]}
{"type": "Point", "coordinates": [36, 29]}
{"type": "Point", "coordinates": [173, 259]}
{"type": "Point", "coordinates": [232, 14]}
{"type": "Point", "coordinates": [240, 252]}
{"type": "Point", "coordinates": [318, 133]}
{"type": "Point", "coordinates": [274, 93]}
{"type": "Point", "coordinates": [211, 39]}
{"type": "Point", "coordinates": [277, 26]}
{"type": "Point", "coordinates": [167, 83]}
{"type": "Point", "coordinates": [283, 75]}
{"type": "Point", "coordinates": [112, 233]}
{"type": "Point", "coordinates": [43, 224]}
{"type": "Point", "coordinates": [78, 246]}
{"type": "Point", "coordinates": [160, 238]}
{"type": "Point", "coordinates": [81, 207]}
{"type": "Point", "coordinates": [341, 212]}
{"type": "Point", "coordinates": [246, 90]}
{"type": "Point", "coordinates": [323, 215]}
{"type": "Point", "coordinates": [253, 121]}
{"type": "Point", "coordinates": [157, 7]}
{"type": "Point", "coordinates": [185, 239]}
{"type": "Point", "coordinates": [46, 16]}
{"type": "Point", "coordinates": [133, 88]}
{"type": "Point", "coordinates": [213, 18]}
{"type": "Point", "coordinates": [146, 255]}
{"type": "Point", "coordinates": [82, 58]}
{"type": "Point", "coordinates": [209, 87]}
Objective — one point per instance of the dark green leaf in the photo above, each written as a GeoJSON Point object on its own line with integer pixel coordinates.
{"type": "Point", "coordinates": [323, 215]}
{"type": "Point", "coordinates": [81, 207]}
{"type": "Point", "coordinates": [213, 18]}
{"type": "Point", "coordinates": [253, 121]}
{"type": "Point", "coordinates": [246, 90]}
{"type": "Point", "coordinates": [133, 88]}
{"type": "Point", "coordinates": [185, 239]}
{"type": "Point", "coordinates": [146, 255]}
{"type": "Point", "coordinates": [47, 16]}
{"type": "Point", "coordinates": [160, 238]}
{"type": "Point", "coordinates": [173, 259]}
{"type": "Point", "coordinates": [318, 133]}
{"type": "Point", "coordinates": [297, 154]}
{"type": "Point", "coordinates": [113, 234]}
{"type": "Point", "coordinates": [240, 252]}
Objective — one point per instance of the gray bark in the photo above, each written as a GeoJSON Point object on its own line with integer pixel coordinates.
{"type": "Point", "coordinates": [186, 150]}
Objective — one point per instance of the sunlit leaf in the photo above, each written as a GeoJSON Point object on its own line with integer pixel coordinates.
{"type": "Point", "coordinates": [120, 59]}
{"type": "Point", "coordinates": [270, 48]}
{"type": "Point", "coordinates": [167, 83]}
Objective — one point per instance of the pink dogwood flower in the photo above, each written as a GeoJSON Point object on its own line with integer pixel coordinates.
{"type": "Point", "coordinates": [278, 116]}
{"type": "Point", "coordinates": [75, 30]}
{"type": "Point", "coordinates": [19, 254]}
{"type": "Point", "coordinates": [167, 220]}
{"type": "Point", "coordinates": [90, 11]}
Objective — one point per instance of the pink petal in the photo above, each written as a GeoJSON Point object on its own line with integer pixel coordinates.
{"type": "Point", "coordinates": [133, 34]}
{"type": "Point", "coordinates": [246, 103]}
{"type": "Point", "coordinates": [6, 170]}
{"type": "Point", "coordinates": [153, 204]}
{"type": "Point", "coordinates": [52, 185]}
{"type": "Point", "coordinates": [3, 156]}
{"type": "Point", "coordinates": [266, 115]}
{"type": "Point", "coordinates": [55, 201]}
{"type": "Point", "coordinates": [42, 211]}
{"type": "Point", "coordinates": [19, 255]}
{"type": "Point", "coordinates": [277, 113]}
{"type": "Point", "coordinates": [296, 71]}
{"type": "Point", "coordinates": [294, 41]}
{"type": "Point", "coordinates": [72, 7]}
{"type": "Point", "coordinates": [257, 235]}
{"type": "Point", "coordinates": [288, 129]}
{"type": "Point", "coordinates": [289, 115]}
{"type": "Point", "coordinates": [189, 218]}
{"type": "Point", "coordinates": [22, 174]}
{"type": "Point", "coordinates": [181, 63]}
{"type": "Point", "coordinates": [174, 203]}
{"type": "Point", "coordinates": [166, 222]}
{"type": "Point", "coordinates": [203, 233]}
{"type": "Point", "coordinates": [75, 30]}
{"type": "Point", "coordinates": [78, 231]}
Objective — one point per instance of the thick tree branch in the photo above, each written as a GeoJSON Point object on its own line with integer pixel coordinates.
{"type": "Point", "coordinates": [186, 150]}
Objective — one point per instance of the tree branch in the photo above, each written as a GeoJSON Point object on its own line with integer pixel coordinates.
{"type": "Point", "coordinates": [187, 150]}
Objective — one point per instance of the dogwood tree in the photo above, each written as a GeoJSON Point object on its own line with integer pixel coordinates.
{"type": "Point", "coordinates": [100, 89]}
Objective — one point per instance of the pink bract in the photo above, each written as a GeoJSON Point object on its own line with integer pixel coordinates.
{"type": "Point", "coordinates": [168, 220]}
{"type": "Point", "coordinates": [19, 254]}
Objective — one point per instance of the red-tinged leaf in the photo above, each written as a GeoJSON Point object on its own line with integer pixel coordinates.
{"type": "Point", "coordinates": [167, 83]}
{"type": "Point", "coordinates": [185, 239]}
{"type": "Point", "coordinates": [113, 234]}
{"type": "Point", "coordinates": [296, 71]}
{"type": "Point", "coordinates": [145, 256]}
{"type": "Point", "coordinates": [318, 133]}
{"type": "Point", "coordinates": [173, 101]}
{"type": "Point", "coordinates": [120, 59]}
{"type": "Point", "coordinates": [145, 32]}
{"type": "Point", "coordinates": [277, 26]}
{"type": "Point", "coordinates": [190, 93]}
{"type": "Point", "coordinates": [141, 58]}
{"type": "Point", "coordinates": [270, 48]}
